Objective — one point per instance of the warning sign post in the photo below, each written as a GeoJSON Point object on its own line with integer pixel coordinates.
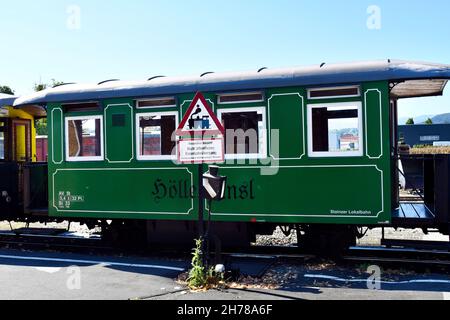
{"type": "Point", "coordinates": [201, 140]}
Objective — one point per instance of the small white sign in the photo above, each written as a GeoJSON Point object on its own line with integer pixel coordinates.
{"type": "Point", "coordinates": [441, 144]}
{"type": "Point", "coordinates": [4, 112]}
{"type": "Point", "coordinates": [201, 151]}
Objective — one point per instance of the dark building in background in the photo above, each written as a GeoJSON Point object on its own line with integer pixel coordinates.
{"type": "Point", "coordinates": [422, 134]}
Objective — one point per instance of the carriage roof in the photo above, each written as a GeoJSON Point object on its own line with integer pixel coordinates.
{"type": "Point", "coordinates": [6, 100]}
{"type": "Point", "coordinates": [414, 79]}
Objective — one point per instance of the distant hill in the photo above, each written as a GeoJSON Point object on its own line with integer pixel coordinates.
{"type": "Point", "coordinates": [441, 119]}
{"type": "Point", "coordinates": [437, 119]}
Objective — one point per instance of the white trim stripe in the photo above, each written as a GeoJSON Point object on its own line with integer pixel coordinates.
{"type": "Point", "coordinates": [62, 137]}
{"type": "Point", "coordinates": [89, 262]}
{"type": "Point", "coordinates": [380, 155]}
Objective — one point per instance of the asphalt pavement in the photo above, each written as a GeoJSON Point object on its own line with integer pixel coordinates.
{"type": "Point", "coordinates": [49, 275]}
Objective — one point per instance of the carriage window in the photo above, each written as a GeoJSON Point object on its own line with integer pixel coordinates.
{"type": "Point", "coordinates": [245, 136]}
{"type": "Point", "coordinates": [245, 97]}
{"type": "Point", "coordinates": [81, 107]}
{"type": "Point", "coordinates": [339, 92]}
{"type": "Point", "coordinates": [155, 135]}
{"type": "Point", "coordinates": [84, 138]}
{"type": "Point", "coordinates": [335, 130]}
{"type": "Point", "coordinates": [157, 102]}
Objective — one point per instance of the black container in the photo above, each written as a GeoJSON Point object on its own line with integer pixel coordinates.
{"type": "Point", "coordinates": [9, 190]}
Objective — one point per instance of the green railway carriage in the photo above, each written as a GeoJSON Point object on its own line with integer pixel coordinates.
{"type": "Point", "coordinates": [323, 149]}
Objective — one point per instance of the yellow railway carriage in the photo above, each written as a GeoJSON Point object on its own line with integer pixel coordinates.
{"type": "Point", "coordinates": [17, 132]}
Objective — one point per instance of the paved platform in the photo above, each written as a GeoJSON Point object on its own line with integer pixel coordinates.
{"type": "Point", "coordinates": [42, 275]}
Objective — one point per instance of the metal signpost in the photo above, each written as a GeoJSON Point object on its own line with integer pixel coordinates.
{"type": "Point", "coordinates": [200, 138]}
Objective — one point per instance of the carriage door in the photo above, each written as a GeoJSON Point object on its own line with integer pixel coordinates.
{"type": "Point", "coordinates": [21, 140]}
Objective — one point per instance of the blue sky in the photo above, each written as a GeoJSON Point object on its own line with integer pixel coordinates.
{"type": "Point", "coordinates": [137, 39]}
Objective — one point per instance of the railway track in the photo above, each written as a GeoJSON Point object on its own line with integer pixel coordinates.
{"type": "Point", "coordinates": [52, 242]}
{"type": "Point", "coordinates": [401, 257]}
{"type": "Point", "coordinates": [409, 256]}
{"type": "Point", "coordinates": [394, 257]}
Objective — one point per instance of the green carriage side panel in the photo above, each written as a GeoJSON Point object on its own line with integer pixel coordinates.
{"type": "Point", "coordinates": [119, 132]}
{"type": "Point", "coordinates": [124, 192]}
{"type": "Point", "coordinates": [286, 123]}
{"type": "Point", "coordinates": [303, 193]}
{"type": "Point", "coordinates": [56, 135]}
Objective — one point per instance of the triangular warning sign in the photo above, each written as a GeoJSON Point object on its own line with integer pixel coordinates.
{"type": "Point", "coordinates": [200, 119]}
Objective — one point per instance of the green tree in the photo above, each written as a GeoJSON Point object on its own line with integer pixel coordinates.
{"type": "Point", "coordinates": [42, 86]}
{"type": "Point", "coordinates": [429, 121]}
{"type": "Point", "coordinates": [6, 90]}
{"type": "Point", "coordinates": [41, 127]}
{"type": "Point", "coordinates": [410, 121]}
{"type": "Point", "coordinates": [56, 83]}
{"type": "Point", "coordinates": [39, 87]}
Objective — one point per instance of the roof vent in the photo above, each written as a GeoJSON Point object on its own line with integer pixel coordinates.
{"type": "Point", "coordinates": [106, 81]}
{"type": "Point", "coordinates": [155, 77]}
{"type": "Point", "coordinates": [206, 73]}
{"type": "Point", "coordinates": [262, 69]}
{"type": "Point", "coordinates": [62, 84]}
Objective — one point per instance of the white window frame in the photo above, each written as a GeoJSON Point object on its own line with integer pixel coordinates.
{"type": "Point", "coordinates": [2, 139]}
{"type": "Point", "coordinates": [141, 157]}
{"type": "Point", "coordinates": [334, 88]}
{"type": "Point", "coordinates": [84, 159]}
{"type": "Point", "coordinates": [262, 133]}
{"type": "Point", "coordinates": [138, 106]}
{"type": "Point", "coordinates": [330, 154]}
{"type": "Point", "coordinates": [219, 96]}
